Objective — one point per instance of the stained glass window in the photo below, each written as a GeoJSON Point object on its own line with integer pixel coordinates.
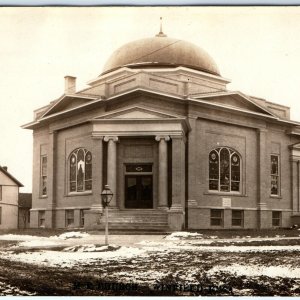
{"type": "Point", "coordinates": [274, 175]}
{"type": "Point", "coordinates": [80, 176]}
{"type": "Point", "coordinates": [224, 170]}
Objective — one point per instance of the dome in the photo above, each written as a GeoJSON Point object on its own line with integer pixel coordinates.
{"type": "Point", "coordinates": [161, 51]}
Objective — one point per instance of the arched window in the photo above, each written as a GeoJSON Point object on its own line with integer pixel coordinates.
{"type": "Point", "coordinates": [80, 170]}
{"type": "Point", "coordinates": [224, 170]}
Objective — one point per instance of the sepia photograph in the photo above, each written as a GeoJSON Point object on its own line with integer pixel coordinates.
{"type": "Point", "coordinates": [150, 151]}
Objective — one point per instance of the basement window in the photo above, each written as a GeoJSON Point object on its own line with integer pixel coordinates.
{"type": "Point", "coordinates": [216, 217]}
{"type": "Point", "coordinates": [42, 214]}
{"type": "Point", "coordinates": [276, 218]}
{"type": "Point", "coordinates": [237, 218]}
{"type": "Point", "coordinates": [69, 218]}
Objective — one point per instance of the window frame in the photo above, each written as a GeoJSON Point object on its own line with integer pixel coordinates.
{"type": "Point", "coordinates": [81, 217]}
{"type": "Point", "coordinates": [279, 218]}
{"type": "Point", "coordinates": [41, 213]}
{"type": "Point", "coordinates": [67, 218]}
{"type": "Point", "coordinates": [275, 175]}
{"type": "Point", "coordinates": [0, 215]}
{"type": "Point", "coordinates": [231, 152]}
{"type": "Point", "coordinates": [235, 218]}
{"type": "Point", "coordinates": [70, 180]}
{"type": "Point", "coordinates": [1, 190]}
{"type": "Point", "coordinates": [44, 176]}
{"type": "Point", "coordinates": [213, 218]}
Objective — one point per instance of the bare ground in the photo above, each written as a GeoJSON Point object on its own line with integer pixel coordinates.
{"type": "Point", "coordinates": [181, 272]}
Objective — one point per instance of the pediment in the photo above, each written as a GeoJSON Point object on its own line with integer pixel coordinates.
{"type": "Point", "coordinates": [67, 102]}
{"type": "Point", "coordinates": [235, 100]}
{"type": "Point", "coordinates": [137, 112]}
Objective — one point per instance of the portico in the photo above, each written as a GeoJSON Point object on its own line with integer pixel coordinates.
{"type": "Point", "coordinates": [137, 143]}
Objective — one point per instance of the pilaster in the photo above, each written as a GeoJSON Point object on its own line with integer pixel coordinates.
{"type": "Point", "coordinates": [92, 216]}
{"type": "Point", "coordinates": [97, 146]}
{"type": "Point", "coordinates": [176, 216]}
{"type": "Point", "coordinates": [51, 181]}
{"type": "Point", "coordinates": [295, 172]}
{"type": "Point", "coordinates": [192, 148]}
{"type": "Point", "coordinates": [262, 178]}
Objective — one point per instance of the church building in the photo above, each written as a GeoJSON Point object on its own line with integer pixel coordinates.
{"type": "Point", "coordinates": [177, 148]}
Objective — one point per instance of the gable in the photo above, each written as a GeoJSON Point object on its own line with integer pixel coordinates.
{"type": "Point", "coordinates": [237, 101]}
{"type": "Point", "coordinates": [7, 179]}
{"type": "Point", "coordinates": [67, 102]}
{"type": "Point", "coordinates": [136, 112]}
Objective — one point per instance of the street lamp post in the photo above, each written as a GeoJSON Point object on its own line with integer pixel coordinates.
{"type": "Point", "coordinates": [106, 197]}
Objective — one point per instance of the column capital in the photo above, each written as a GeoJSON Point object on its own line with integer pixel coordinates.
{"type": "Point", "coordinates": [262, 130]}
{"type": "Point", "coordinates": [158, 138]}
{"type": "Point", "coordinates": [113, 138]}
{"type": "Point", "coordinates": [95, 136]}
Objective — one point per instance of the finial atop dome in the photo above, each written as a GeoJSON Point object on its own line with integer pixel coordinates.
{"type": "Point", "coordinates": [161, 34]}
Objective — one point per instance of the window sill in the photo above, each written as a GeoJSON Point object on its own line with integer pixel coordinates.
{"type": "Point", "coordinates": [79, 194]}
{"type": "Point", "coordinates": [275, 196]}
{"type": "Point", "coordinates": [224, 194]}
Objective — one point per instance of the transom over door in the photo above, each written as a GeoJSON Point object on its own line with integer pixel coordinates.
{"type": "Point", "coordinates": [138, 191]}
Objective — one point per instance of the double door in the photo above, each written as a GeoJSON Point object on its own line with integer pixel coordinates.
{"type": "Point", "coordinates": [138, 191]}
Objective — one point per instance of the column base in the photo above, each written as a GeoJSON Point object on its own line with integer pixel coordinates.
{"type": "Point", "coordinates": [165, 208]}
{"type": "Point", "coordinates": [50, 218]}
{"type": "Point", "coordinates": [176, 218]}
{"type": "Point", "coordinates": [92, 218]}
{"type": "Point", "coordinates": [264, 219]}
{"type": "Point", "coordinates": [97, 207]}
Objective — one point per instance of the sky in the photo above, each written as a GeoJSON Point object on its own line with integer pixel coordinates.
{"type": "Point", "coordinates": [257, 48]}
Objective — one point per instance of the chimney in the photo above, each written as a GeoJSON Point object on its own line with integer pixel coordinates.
{"type": "Point", "coordinates": [4, 168]}
{"type": "Point", "coordinates": [70, 85]}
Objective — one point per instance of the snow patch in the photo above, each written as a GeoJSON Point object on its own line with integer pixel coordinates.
{"type": "Point", "coordinates": [70, 259]}
{"type": "Point", "coordinates": [257, 270]}
{"type": "Point", "coordinates": [38, 243]}
{"type": "Point", "coordinates": [183, 235]}
{"type": "Point", "coordinates": [19, 237]}
{"type": "Point", "coordinates": [151, 243]}
{"type": "Point", "coordinates": [71, 235]}
{"type": "Point", "coordinates": [91, 248]}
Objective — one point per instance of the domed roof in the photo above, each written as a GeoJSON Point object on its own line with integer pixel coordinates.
{"type": "Point", "coordinates": [161, 51]}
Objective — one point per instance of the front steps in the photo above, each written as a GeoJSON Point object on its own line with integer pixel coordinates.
{"type": "Point", "coordinates": [135, 219]}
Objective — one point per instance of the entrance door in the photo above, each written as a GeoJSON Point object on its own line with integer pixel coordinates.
{"type": "Point", "coordinates": [138, 191]}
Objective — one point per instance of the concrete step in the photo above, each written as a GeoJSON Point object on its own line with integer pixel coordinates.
{"type": "Point", "coordinates": [136, 219]}
{"type": "Point", "coordinates": [134, 226]}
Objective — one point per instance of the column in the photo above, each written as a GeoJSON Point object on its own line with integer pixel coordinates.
{"type": "Point", "coordinates": [112, 166]}
{"type": "Point", "coordinates": [162, 171]}
{"type": "Point", "coordinates": [262, 192]}
{"type": "Point", "coordinates": [176, 216]}
{"type": "Point", "coordinates": [51, 181]}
